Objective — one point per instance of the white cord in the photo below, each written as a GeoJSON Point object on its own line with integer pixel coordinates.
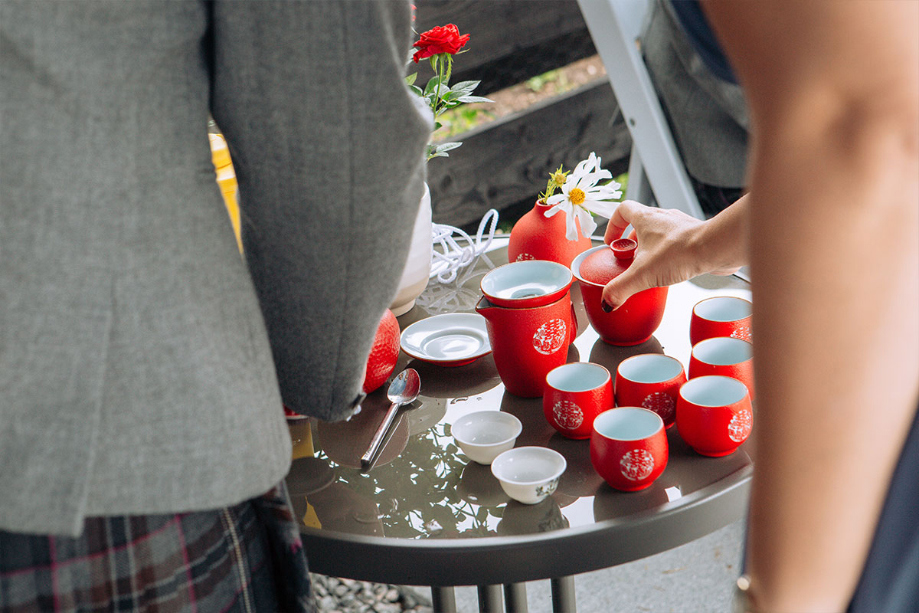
{"type": "Point", "coordinates": [451, 257]}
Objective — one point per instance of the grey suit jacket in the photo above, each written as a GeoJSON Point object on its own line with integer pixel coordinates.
{"type": "Point", "coordinates": [143, 362]}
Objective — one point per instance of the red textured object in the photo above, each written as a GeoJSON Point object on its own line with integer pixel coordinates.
{"type": "Point", "coordinates": [537, 237]}
{"type": "Point", "coordinates": [638, 317]}
{"type": "Point", "coordinates": [629, 448]}
{"type": "Point", "coordinates": [292, 415]}
{"type": "Point", "coordinates": [714, 414]}
{"type": "Point", "coordinates": [384, 354]}
{"type": "Point", "coordinates": [721, 316]}
{"type": "Point", "coordinates": [651, 381]}
{"type": "Point", "coordinates": [722, 355]}
{"type": "Point", "coordinates": [574, 395]}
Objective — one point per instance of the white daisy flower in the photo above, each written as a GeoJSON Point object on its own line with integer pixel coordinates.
{"type": "Point", "coordinates": [581, 196]}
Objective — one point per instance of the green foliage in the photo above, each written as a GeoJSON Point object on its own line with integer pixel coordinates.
{"type": "Point", "coordinates": [539, 81]}
{"type": "Point", "coordinates": [439, 150]}
{"type": "Point", "coordinates": [441, 97]}
{"type": "Point", "coordinates": [623, 181]}
{"type": "Point", "coordinates": [462, 119]}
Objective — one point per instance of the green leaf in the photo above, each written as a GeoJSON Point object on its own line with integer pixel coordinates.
{"type": "Point", "coordinates": [465, 86]}
{"type": "Point", "coordinates": [471, 99]}
{"type": "Point", "coordinates": [442, 147]}
{"type": "Point", "coordinates": [431, 87]}
{"type": "Point", "coordinates": [410, 79]}
{"type": "Point", "coordinates": [417, 90]}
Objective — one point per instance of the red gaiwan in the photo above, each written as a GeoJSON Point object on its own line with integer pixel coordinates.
{"type": "Point", "coordinates": [637, 319]}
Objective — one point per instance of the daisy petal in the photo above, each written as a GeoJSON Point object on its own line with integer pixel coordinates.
{"type": "Point", "coordinates": [603, 209]}
{"type": "Point", "coordinates": [571, 230]}
{"type": "Point", "coordinates": [604, 193]}
{"type": "Point", "coordinates": [588, 225]}
{"type": "Point", "coordinates": [564, 207]}
{"type": "Point", "coordinates": [603, 174]}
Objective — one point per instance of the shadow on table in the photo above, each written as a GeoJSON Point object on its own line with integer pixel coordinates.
{"type": "Point", "coordinates": [450, 382]}
{"type": "Point", "coordinates": [611, 356]}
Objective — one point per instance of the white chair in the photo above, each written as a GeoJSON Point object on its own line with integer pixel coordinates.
{"type": "Point", "coordinates": [656, 171]}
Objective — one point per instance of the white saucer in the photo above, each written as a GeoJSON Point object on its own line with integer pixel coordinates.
{"type": "Point", "coordinates": [453, 339]}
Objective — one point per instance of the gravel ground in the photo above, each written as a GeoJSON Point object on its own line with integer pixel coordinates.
{"type": "Point", "coordinates": [347, 596]}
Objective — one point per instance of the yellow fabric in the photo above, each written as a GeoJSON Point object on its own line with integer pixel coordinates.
{"type": "Point", "coordinates": [226, 179]}
{"type": "Point", "coordinates": [302, 436]}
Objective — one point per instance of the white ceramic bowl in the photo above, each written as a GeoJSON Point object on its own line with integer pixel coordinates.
{"type": "Point", "coordinates": [529, 474]}
{"type": "Point", "coordinates": [527, 283]}
{"type": "Point", "coordinates": [484, 435]}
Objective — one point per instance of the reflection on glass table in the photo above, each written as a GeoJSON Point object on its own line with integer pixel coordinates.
{"type": "Point", "coordinates": [427, 515]}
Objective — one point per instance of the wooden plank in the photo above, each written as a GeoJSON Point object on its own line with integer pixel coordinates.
{"type": "Point", "coordinates": [510, 40]}
{"type": "Point", "coordinates": [506, 163]}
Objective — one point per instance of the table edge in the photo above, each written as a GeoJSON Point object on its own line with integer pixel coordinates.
{"type": "Point", "coordinates": [512, 559]}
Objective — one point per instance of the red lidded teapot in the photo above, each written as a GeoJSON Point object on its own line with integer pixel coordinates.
{"type": "Point", "coordinates": [638, 317]}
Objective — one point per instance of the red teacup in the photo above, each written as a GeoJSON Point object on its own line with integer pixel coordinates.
{"type": "Point", "coordinates": [628, 447]}
{"type": "Point", "coordinates": [721, 316]}
{"type": "Point", "coordinates": [714, 414]}
{"type": "Point", "coordinates": [721, 355]}
{"type": "Point", "coordinates": [574, 395]}
{"type": "Point", "coordinates": [652, 381]}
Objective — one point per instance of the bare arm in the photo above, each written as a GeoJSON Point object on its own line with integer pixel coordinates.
{"type": "Point", "coordinates": [674, 247]}
{"type": "Point", "coordinates": [834, 249]}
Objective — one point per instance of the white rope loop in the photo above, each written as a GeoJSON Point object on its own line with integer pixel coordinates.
{"type": "Point", "coordinates": [451, 257]}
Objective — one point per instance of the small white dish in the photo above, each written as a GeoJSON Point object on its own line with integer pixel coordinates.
{"type": "Point", "coordinates": [452, 339]}
{"type": "Point", "coordinates": [527, 283]}
{"type": "Point", "coordinates": [484, 435]}
{"type": "Point", "coordinates": [529, 474]}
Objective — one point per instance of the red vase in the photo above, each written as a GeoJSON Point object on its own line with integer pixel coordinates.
{"type": "Point", "coordinates": [638, 317]}
{"type": "Point", "coordinates": [537, 237]}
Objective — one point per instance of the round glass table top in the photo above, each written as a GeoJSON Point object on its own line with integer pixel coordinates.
{"type": "Point", "coordinates": [423, 487]}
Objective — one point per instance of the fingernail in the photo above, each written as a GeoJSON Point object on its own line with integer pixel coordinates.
{"type": "Point", "coordinates": [606, 306]}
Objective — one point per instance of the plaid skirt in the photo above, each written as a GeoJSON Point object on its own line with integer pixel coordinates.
{"type": "Point", "coordinates": [246, 558]}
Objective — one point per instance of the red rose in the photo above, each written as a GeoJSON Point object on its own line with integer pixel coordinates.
{"type": "Point", "coordinates": [441, 39]}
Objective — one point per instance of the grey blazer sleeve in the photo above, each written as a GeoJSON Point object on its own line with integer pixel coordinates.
{"type": "Point", "coordinates": [328, 149]}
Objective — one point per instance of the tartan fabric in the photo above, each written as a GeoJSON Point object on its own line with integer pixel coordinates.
{"type": "Point", "coordinates": [246, 558]}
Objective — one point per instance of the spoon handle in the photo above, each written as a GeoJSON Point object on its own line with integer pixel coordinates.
{"type": "Point", "coordinates": [370, 455]}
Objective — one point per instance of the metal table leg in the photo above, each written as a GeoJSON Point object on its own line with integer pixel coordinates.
{"type": "Point", "coordinates": [563, 597]}
{"type": "Point", "coordinates": [443, 599]}
{"type": "Point", "coordinates": [515, 598]}
{"type": "Point", "coordinates": [490, 599]}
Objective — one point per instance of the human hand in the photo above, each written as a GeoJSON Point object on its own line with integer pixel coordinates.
{"type": "Point", "coordinates": [670, 250]}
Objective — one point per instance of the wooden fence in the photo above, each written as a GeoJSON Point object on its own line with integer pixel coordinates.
{"type": "Point", "coordinates": [505, 163]}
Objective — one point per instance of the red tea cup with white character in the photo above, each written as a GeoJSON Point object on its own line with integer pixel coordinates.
{"type": "Point", "coordinates": [651, 381]}
{"type": "Point", "coordinates": [628, 447]}
{"type": "Point", "coordinates": [574, 395]}
{"type": "Point", "coordinates": [721, 316]}
{"type": "Point", "coordinates": [714, 414]}
{"type": "Point", "coordinates": [722, 355]}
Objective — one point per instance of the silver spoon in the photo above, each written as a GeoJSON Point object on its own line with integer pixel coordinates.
{"type": "Point", "coordinates": [403, 390]}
